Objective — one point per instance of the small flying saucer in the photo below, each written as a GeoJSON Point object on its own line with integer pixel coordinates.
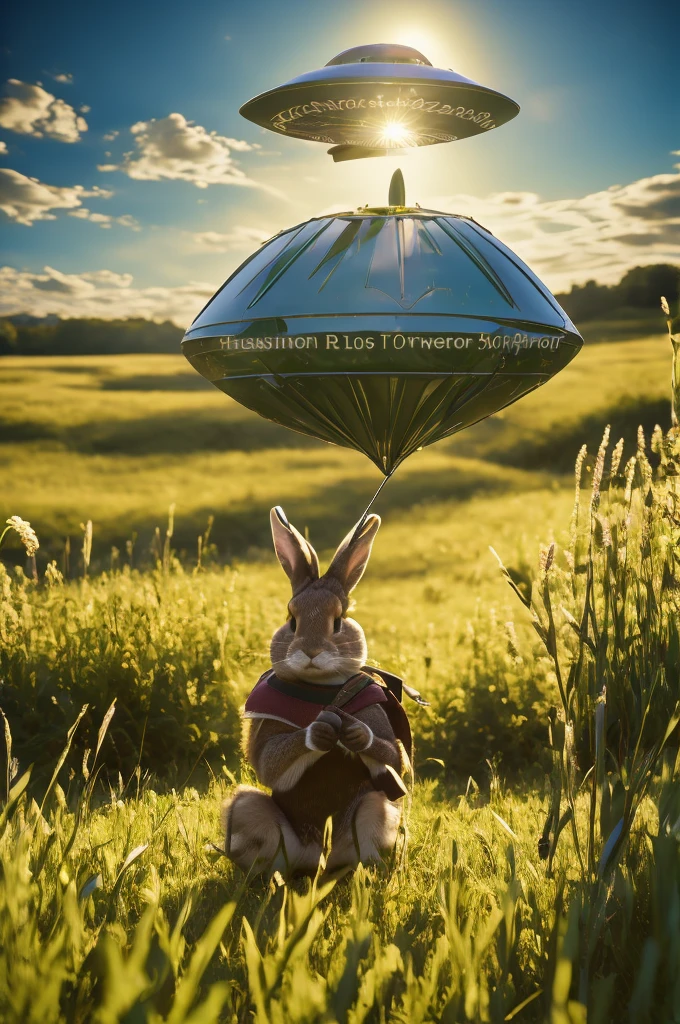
{"type": "Point", "coordinates": [373, 100]}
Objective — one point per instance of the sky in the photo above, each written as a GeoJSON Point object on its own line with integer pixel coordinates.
{"type": "Point", "coordinates": [131, 186]}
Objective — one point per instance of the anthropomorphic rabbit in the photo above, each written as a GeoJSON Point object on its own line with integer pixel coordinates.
{"type": "Point", "coordinates": [321, 732]}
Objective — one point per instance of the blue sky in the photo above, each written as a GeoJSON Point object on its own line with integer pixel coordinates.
{"type": "Point", "coordinates": [582, 183]}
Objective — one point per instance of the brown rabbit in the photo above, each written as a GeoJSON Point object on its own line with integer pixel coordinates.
{"type": "Point", "coordinates": [321, 733]}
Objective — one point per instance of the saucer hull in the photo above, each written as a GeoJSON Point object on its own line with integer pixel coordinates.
{"type": "Point", "coordinates": [381, 331]}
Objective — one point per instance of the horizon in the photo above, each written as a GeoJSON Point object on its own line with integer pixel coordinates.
{"type": "Point", "coordinates": [24, 319]}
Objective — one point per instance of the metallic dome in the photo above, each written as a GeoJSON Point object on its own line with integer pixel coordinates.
{"type": "Point", "coordinates": [371, 100]}
{"type": "Point", "coordinates": [382, 329]}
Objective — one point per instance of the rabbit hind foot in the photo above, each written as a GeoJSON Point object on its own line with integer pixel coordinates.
{"type": "Point", "coordinates": [260, 839]}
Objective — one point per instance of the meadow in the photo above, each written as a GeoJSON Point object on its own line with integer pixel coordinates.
{"type": "Point", "coordinates": [538, 878]}
{"type": "Point", "coordinates": [118, 439]}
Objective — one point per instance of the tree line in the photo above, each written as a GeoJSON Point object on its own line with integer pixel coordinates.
{"type": "Point", "coordinates": [27, 336]}
{"type": "Point", "coordinates": [638, 290]}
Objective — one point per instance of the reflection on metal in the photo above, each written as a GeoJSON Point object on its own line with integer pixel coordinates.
{"type": "Point", "coordinates": [382, 329]}
{"type": "Point", "coordinates": [371, 100]}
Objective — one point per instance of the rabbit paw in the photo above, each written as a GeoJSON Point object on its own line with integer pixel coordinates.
{"type": "Point", "coordinates": [324, 732]}
{"type": "Point", "coordinates": [356, 736]}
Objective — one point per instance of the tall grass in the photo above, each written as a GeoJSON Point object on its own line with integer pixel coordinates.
{"type": "Point", "coordinates": [180, 647]}
{"type": "Point", "coordinates": [607, 614]}
{"type": "Point", "coordinates": [127, 912]}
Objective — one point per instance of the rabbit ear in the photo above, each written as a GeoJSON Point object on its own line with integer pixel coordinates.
{"type": "Point", "coordinates": [296, 555]}
{"type": "Point", "coordinates": [351, 558]}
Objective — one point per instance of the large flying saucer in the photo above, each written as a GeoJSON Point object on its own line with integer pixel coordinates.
{"type": "Point", "coordinates": [372, 100]}
{"type": "Point", "coordinates": [381, 329]}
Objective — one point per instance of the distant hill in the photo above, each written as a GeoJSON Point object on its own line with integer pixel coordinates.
{"type": "Point", "coordinates": [605, 313]}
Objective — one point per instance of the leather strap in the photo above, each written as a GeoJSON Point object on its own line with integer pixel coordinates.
{"type": "Point", "coordinates": [397, 686]}
{"type": "Point", "coordinates": [350, 689]}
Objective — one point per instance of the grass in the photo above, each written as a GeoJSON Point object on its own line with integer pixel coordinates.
{"type": "Point", "coordinates": [620, 324]}
{"type": "Point", "coordinates": [541, 878]}
{"type": "Point", "coordinates": [137, 909]}
{"type": "Point", "coordinates": [116, 905]}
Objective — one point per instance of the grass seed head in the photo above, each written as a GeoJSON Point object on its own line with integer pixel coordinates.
{"type": "Point", "coordinates": [578, 467]}
{"type": "Point", "coordinates": [616, 457]}
{"type": "Point", "coordinates": [641, 443]}
{"type": "Point", "coordinates": [27, 534]}
{"type": "Point", "coordinates": [578, 473]}
{"type": "Point", "coordinates": [53, 575]}
{"type": "Point", "coordinates": [546, 557]}
{"type": "Point", "coordinates": [630, 474]}
{"type": "Point", "coordinates": [606, 530]}
{"type": "Point", "coordinates": [513, 647]}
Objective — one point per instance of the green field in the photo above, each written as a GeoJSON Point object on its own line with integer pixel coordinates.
{"type": "Point", "coordinates": [470, 926]}
{"type": "Point", "coordinates": [119, 439]}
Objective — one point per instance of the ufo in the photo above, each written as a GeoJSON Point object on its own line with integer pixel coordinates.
{"type": "Point", "coordinates": [382, 329]}
{"type": "Point", "coordinates": [372, 100]}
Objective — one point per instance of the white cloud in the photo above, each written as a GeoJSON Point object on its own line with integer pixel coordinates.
{"type": "Point", "coordinates": [3, 147]}
{"type": "Point", "coordinates": [31, 110]}
{"type": "Point", "coordinates": [72, 285]}
{"type": "Point", "coordinates": [101, 293]}
{"type": "Point", "coordinates": [239, 237]}
{"type": "Point", "coordinates": [600, 236]}
{"type": "Point", "coordinates": [110, 136]}
{"type": "Point", "coordinates": [175, 149]}
{"type": "Point", "coordinates": [26, 200]}
{"type": "Point", "coordinates": [106, 220]}
{"type": "Point", "coordinates": [63, 77]}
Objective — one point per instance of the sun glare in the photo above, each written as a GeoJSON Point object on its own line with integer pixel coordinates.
{"type": "Point", "coordinates": [396, 134]}
{"type": "Point", "coordinates": [426, 43]}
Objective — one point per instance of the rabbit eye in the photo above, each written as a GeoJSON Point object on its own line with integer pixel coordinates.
{"type": "Point", "coordinates": [337, 625]}
{"type": "Point", "coordinates": [293, 624]}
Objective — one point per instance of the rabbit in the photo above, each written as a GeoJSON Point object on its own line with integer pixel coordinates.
{"type": "Point", "coordinates": [319, 760]}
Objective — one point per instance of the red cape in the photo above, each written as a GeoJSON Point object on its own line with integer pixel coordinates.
{"type": "Point", "coordinates": [265, 701]}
